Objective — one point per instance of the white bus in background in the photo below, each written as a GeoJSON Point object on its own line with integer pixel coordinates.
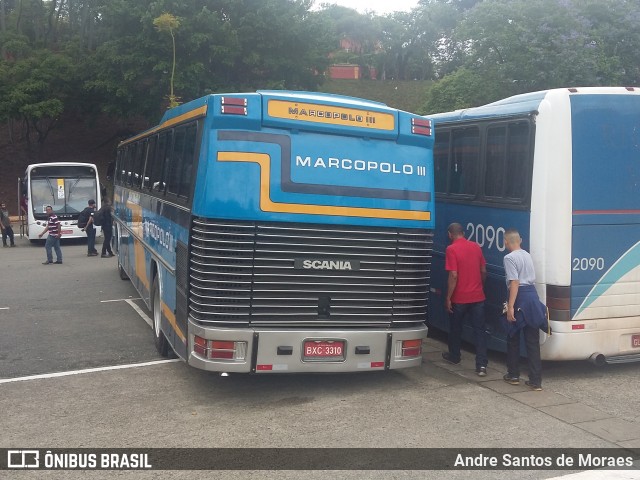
{"type": "Point", "coordinates": [67, 187]}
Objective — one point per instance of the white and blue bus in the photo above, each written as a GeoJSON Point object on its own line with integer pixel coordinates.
{"type": "Point", "coordinates": [563, 167]}
{"type": "Point", "coordinates": [280, 232]}
{"type": "Point", "coordinates": [67, 187]}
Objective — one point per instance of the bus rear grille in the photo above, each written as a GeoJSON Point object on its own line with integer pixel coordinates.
{"type": "Point", "coordinates": [247, 273]}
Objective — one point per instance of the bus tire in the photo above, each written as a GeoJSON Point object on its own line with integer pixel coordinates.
{"type": "Point", "coordinates": [122, 272]}
{"type": "Point", "coordinates": [162, 345]}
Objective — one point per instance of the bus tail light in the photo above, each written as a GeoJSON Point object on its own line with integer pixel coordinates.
{"type": "Point", "coordinates": [220, 349]}
{"type": "Point", "coordinates": [234, 106]}
{"type": "Point", "coordinates": [409, 348]}
{"type": "Point", "coordinates": [559, 302]}
{"type": "Point", "coordinates": [200, 346]}
{"type": "Point", "coordinates": [421, 126]}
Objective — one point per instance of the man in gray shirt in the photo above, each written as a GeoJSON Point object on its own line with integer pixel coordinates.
{"type": "Point", "coordinates": [524, 313]}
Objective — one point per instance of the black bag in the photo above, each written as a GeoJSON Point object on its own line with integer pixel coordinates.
{"type": "Point", "coordinates": [83, 218]}
{"type": "Point", "coordinates": [97, 218]}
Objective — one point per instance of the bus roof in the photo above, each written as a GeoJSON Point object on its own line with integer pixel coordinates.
{"type": "Point", "coordinates": [285, 94]}
{"type": "Point", "coordinates": [60, 164]}
{"type": "Point", "coordinates": [522, 104]}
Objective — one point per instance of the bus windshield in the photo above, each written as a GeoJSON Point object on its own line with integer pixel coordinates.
{"type": "Point", "coordinates": [70, 199]}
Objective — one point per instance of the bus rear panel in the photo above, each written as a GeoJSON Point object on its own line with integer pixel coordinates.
{"type": "Point", "coordinates": [307, 247]}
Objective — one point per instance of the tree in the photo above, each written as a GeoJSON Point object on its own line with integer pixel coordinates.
{"type": "Point", "coordinates": [38, 88]}
{"type": "Point", "coordinates": [168, 23]}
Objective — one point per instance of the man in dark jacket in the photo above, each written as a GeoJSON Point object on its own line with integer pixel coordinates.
{"type": "Point", "coordinates": [107, 227]}
{"type": "Point", "coordinates": [91, 231]}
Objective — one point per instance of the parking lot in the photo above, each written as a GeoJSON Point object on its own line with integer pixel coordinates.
{"type": "Point", "coordinates": [78, 369]}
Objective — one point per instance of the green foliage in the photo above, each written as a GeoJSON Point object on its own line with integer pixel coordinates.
{"type": "Point", "coordinates": [407, 96]}
{"type": "Point", "coordinates": [465, 88]}
{"type": "Point", "coordinates": [87, 57]}
{"type": "Point", "coordinates": [169, 23]}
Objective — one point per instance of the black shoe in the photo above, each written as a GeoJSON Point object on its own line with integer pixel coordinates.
{"type": "Point", "coordinates": [92, 254]}
{"type": "Point", "coordinates": [481, 371]}
{"type": "Point", "coordinates": [13, 244]}
{"type": "Point", "coordinates": [104, 255]}
{"type": "Point", "coordinates": [47, 262]}
{"type": "Point", "coordinates": [533, 386]}
{"type": "Point", "coordinates": [59, 262]}
{"type": "Point", "coordinates": [511, 379]}
{"type": "Point", "coordinates": [447, 358]}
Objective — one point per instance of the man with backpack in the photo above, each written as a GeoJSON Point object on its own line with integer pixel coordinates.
{"type": "Point", "coordinates": [86, 223]}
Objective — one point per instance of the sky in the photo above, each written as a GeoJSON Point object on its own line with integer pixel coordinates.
{"type": "Point", "coordinates": [381, 7]}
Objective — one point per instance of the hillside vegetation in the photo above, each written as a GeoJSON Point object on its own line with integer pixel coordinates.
{"type": "Point", "coordinates": [405, 95]}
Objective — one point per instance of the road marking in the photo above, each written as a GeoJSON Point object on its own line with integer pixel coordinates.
{"type": "Point", "coordinates": [4, 308]}
{"type": "Point", "coordinates": [120, 300]}
{"type": "Point", "coordinates": [144, 316]}
{"type": "Point", "coordinates": [87, 370]}
{"type": "Point", "coordinates": [130, 301]}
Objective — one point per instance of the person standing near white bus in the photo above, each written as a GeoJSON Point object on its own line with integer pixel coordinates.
{"type": "Point", "coordinates": [525, 312]}
{"type": "Point", "coordinates": [53, 240]}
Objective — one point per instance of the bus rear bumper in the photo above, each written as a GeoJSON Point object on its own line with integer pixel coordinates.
{"type": "Point", "coordinates": [281, 350]}
{"type": "Point", "coordinates": [618, 344]}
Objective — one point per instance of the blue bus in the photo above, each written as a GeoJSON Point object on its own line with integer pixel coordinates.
{"type": "Point", "coordinates": [280, 232]}
{"type": "Point", "coordinates": [562, 166]}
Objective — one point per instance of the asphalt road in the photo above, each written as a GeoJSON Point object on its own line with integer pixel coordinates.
{"type": "Point", "coordinates": [80, 315]}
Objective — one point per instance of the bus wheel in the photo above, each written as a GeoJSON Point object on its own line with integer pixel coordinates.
{"type": "Point", "coordinates": [121, 272]}
{"type": "Point", "coordinates": [162, 346]}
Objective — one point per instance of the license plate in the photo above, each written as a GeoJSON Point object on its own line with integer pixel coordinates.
{"type": "Point", "coordinates": [67, 232]}
{"type": "Point", "coordinates": [635, 341]}
{"type": "Point", "coordinates": [323, 350]}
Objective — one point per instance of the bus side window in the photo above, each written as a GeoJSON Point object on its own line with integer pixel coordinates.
{"type": "Point", "coordinates": [138, 164]}
{"type": "Point", "coordinates": [463, 166]}
{"type": "Point", "coordinates": [151, 153]}
{"type": "Point", "coordinates": [517, 160]}
{"type": "Point", "coordinates": [175, 172]}
{"type": "Point", "coordinates": [187, 161]}
{"type": "Point", "coordinates": [494, 174]}
{"type": "Point", "coordinates": [128, 162]}
{"type": "Point", "coordinates": [159, 171]}
{"type": "Point", "coordinates": [441, 160]}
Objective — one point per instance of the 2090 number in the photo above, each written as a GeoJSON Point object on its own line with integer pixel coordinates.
{"type": "Point", "coordinates": [486, 235]}
{"type": "Point", "coordinates": [588, 263]}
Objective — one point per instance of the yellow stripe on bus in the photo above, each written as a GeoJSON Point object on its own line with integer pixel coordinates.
{"type": "Point", "coordinates": [190, 115]}
{"type": "Point", "coordinates": [171, 318]}
{"type": "Point", "coordinates": [138, 247]}
{"type": "Point", "coordinates": [141, 271]}
{"type": "Point", "coordinates": [267, 205]}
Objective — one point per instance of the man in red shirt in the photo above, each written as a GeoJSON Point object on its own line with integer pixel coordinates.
{"type": "Point", "coordinates": [465, 296]}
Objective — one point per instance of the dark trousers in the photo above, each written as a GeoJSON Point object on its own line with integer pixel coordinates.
{"type": "Point", "coordinates": [475, 313]}
{"type": "Point", "coordinates": [106, 244]}
{"type": "Point", "coordinates": [7, 232]}
{"type": "Point", "coordinates": [532, 344]}
{"type": "Point", "coordinates": [91, 240]}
